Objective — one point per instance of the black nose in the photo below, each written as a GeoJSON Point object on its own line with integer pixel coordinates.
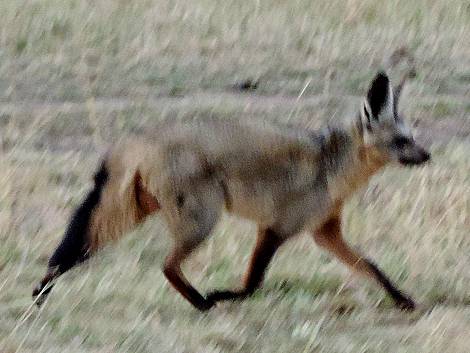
{"type": "Point", "coordinates": [426, 156]}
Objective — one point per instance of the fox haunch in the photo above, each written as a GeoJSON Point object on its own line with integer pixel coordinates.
{"type": "Point", "coordinates": [286, 179]}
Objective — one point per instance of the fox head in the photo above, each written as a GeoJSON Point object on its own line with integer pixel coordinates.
{"type": "Point", "coordinates": [384, 130]}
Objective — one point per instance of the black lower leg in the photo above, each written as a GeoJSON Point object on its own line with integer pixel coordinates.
{"type": "Point", "coordinates": [221, 295]}
{"type": "Point", "coordinates": [400, 299]}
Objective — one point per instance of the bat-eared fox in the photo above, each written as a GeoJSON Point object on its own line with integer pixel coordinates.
{"type": "Point", "coordinates": [285, 179]}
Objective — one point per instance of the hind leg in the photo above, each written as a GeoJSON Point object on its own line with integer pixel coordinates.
{"type": "Point", "coordinates": [172, 271]}
{"type": "Point", "coordinates": [266, 246]}
{"type": "Point", "coordinates": [191, 219]}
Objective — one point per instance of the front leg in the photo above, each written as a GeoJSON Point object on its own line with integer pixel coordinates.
{"type": "Point", "coordinates": [329, 237]}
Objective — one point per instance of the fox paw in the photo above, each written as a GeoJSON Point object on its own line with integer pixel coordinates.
{"type": "Point", "coordinates": [221, 295]}
{"type": "Point", "coordinates": [205, 305]}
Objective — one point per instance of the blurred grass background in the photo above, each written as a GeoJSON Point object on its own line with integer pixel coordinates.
{"type": "Point", "coordinates": [75, 75]}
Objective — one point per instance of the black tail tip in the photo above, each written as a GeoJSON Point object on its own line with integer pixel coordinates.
{"type": "Point", "coordinates": [42, 293]}
{"type": "Point", "coordinates": [43, 288]}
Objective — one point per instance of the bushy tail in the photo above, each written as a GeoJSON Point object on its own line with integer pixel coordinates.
{"type": "Point", "coordinates": [109, 210]}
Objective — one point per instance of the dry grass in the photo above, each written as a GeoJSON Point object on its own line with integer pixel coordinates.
{"type": "Point", "coordinates": [76, 74]}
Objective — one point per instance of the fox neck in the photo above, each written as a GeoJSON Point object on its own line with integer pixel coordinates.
{"type": "Point", "coordinates": [357, 164]}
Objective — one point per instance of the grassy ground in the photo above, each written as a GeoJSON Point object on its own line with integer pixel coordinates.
{"type": "Point", "coordinates": [76, 74]}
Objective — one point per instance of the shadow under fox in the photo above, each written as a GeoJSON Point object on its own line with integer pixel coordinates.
{"type": "Point", "coordinates": [285, 179]}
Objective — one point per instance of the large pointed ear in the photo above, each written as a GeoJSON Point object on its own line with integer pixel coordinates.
{"type": "Point", "coordinates": [379, 102]}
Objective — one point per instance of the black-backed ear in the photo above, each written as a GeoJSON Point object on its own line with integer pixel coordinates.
{"type": "Point", "coordinates": [379, 97]}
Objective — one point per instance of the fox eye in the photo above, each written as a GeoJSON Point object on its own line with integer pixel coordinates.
{"type": "Point", "coordinates": [401, 141]}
